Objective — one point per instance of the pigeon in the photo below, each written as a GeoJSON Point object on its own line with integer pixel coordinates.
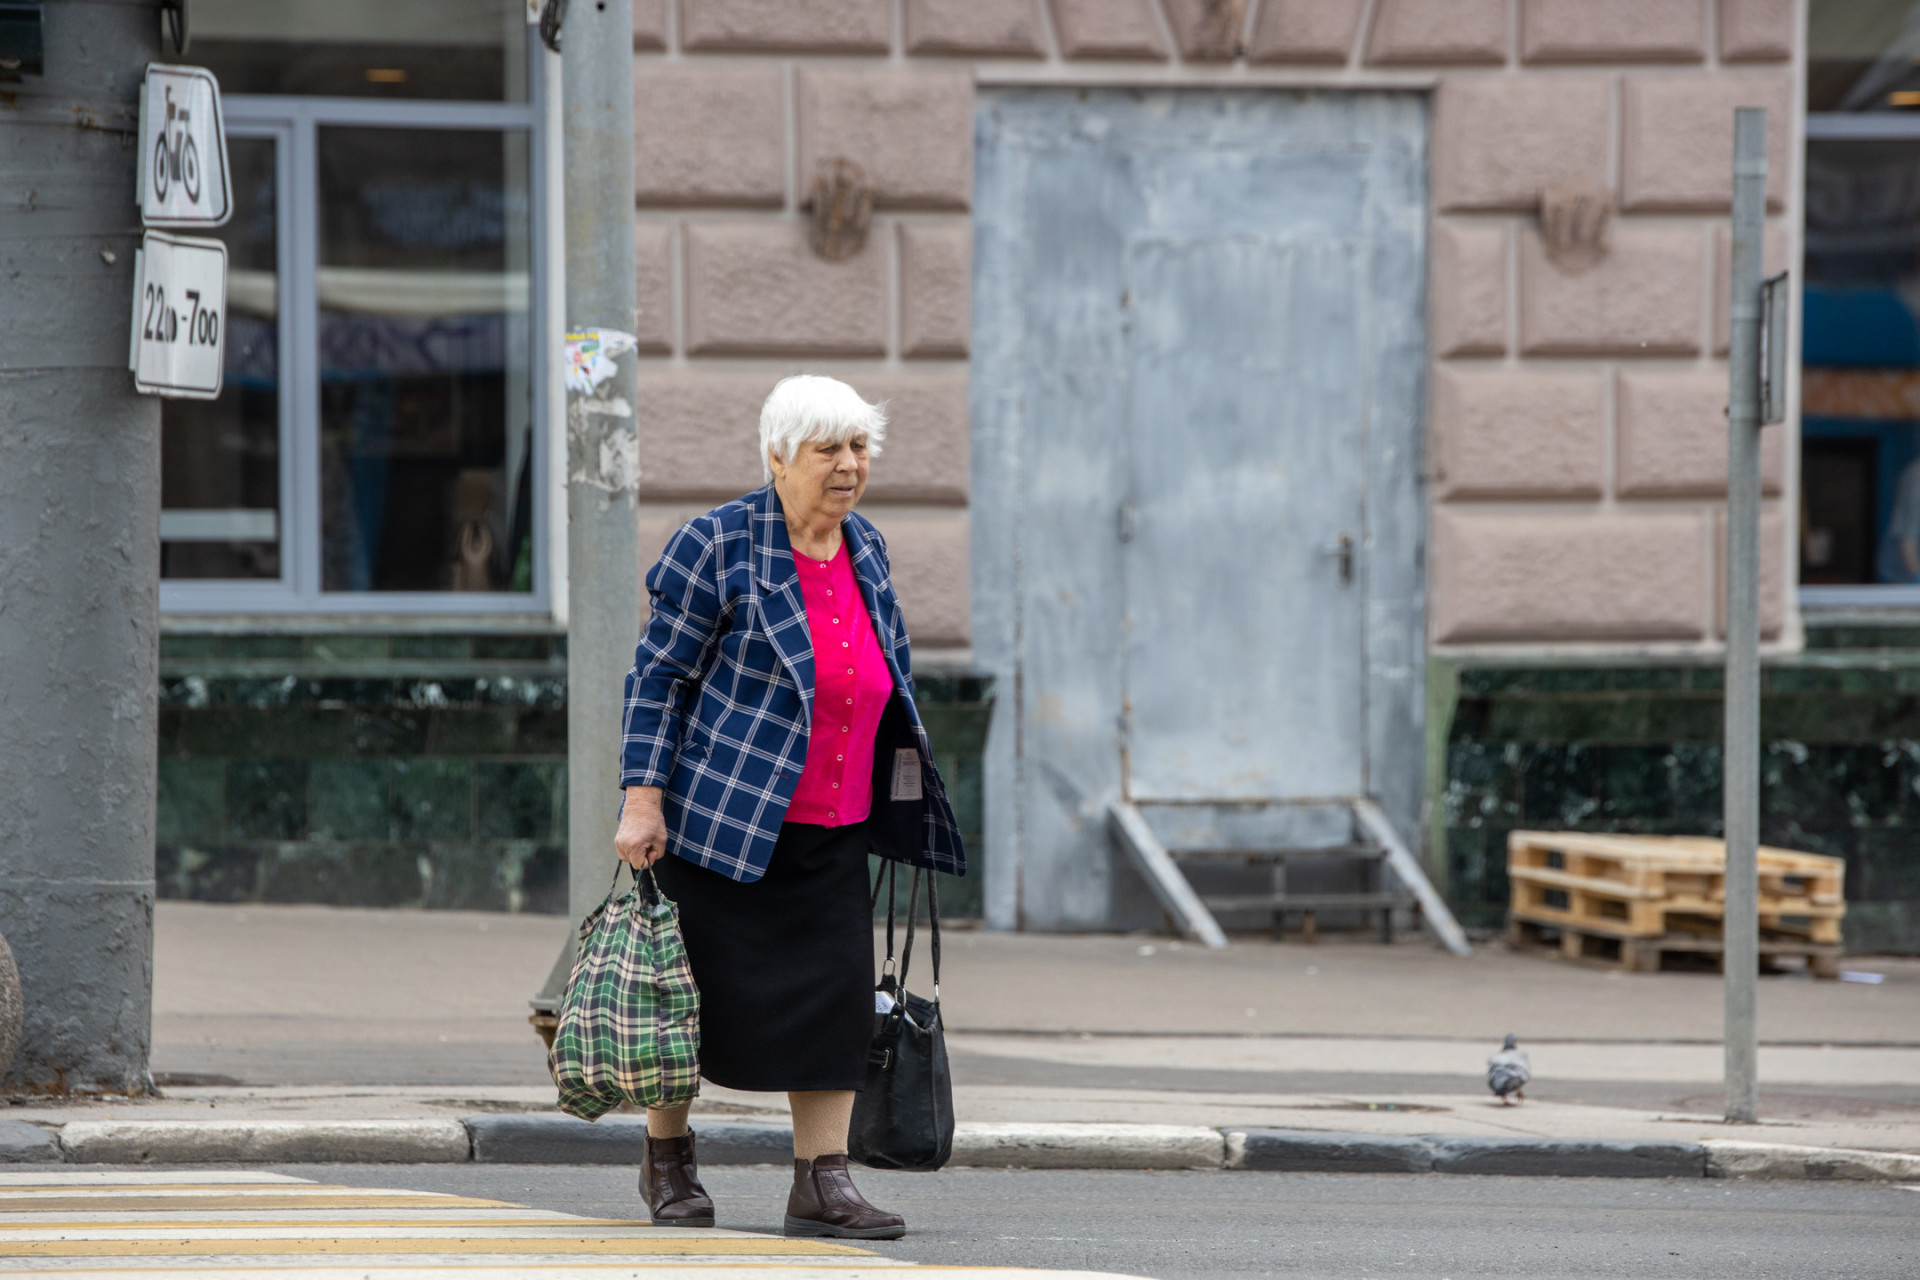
{"type": "Point", "coordinates": [1508, 1072]}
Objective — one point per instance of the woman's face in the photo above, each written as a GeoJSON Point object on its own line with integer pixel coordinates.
{"type": "Point", "coordinates": [823, 479]}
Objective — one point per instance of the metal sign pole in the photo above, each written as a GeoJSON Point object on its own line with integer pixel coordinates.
{"type": "Point", "coordinates": [603, 448]}
{"type": "Point", "coordinates": [1741, 757]}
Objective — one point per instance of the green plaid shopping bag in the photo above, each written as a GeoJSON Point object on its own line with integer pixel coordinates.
{"type": "Point", "coordinates": [630, 1023]}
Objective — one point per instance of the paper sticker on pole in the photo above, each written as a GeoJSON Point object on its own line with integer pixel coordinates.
{"type": "Point", "coordinates": [183, 150]}
{"type": "Point", "coordinates": [179, 316]}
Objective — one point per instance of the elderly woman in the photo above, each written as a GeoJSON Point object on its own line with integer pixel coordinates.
{"type": "Point", "coordinates": [771, 744]}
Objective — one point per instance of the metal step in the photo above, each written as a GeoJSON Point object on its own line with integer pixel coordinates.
{"type": "Point", "coordinates": [1255, 856]}
{"type": "Point", "coordinates": [1374, 839]}
{"type": "Point", "coordinates": [1370, 901]}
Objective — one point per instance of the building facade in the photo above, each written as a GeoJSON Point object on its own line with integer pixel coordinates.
{"type": "Point", "coordinates": [366, 594]}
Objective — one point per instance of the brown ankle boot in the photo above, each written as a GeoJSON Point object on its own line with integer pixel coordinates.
{"type": "Point", "coordinates": [824, 1202]}
{"type": "Point", "coordinates": [670, 1180]}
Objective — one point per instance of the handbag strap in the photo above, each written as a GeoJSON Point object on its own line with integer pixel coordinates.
{"type": "Point", "coordinates": [913, 903]}
{"type": "Point", "coordinates": [933, 919]}
{"type": "Point", "coordinates": [886, 877]}
{"type": "Point", "coordinates": [906, 952]}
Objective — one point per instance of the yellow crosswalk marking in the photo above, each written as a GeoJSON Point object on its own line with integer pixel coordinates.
{"type": "Point", "coordinates": [177, 1224]}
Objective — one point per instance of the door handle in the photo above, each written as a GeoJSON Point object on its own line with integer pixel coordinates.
{"type": "Point", "coordinates": [1126, 520]}
{"type": "Point", "coordinates": [1341, 548]}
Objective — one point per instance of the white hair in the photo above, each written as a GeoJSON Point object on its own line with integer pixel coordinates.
{"type": "Point", "coordinates": [808, 407]}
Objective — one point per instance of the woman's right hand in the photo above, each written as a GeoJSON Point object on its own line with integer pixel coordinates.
{"type": "Point", "coordinates": [642, 837]}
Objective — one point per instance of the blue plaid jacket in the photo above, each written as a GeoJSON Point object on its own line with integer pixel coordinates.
{"type": "Point", "coordinates": [720, 698]}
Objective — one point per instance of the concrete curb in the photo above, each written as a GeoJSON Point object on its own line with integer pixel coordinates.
{"type": "Point", "coordinates": [1088, 1146]}
{"type": "Point", "coordinates": [1729, 1159]}
{"type": "Point", "coordinates": [266, 1141]}
{"type": "Point", "coordinates": [1558, 1158]}
{"type": "Point", "coordinates": [616, 1139]}
{"type": "Point", "coordinates": [551, 1138]}
{"type": "Point", "coordinates": [1312, 1151]}
{"type": "Point", "coordinates": [23, 1143]}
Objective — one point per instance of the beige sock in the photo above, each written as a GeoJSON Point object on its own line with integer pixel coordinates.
{"type": "Point", "coordinates": [820, 1121]}
{"type": "Point", "coordinates": [668, 1122]}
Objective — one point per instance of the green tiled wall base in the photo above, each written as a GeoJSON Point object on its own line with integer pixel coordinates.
{"type": "Point", "coordinates": [1622, 749]}
{"type": "Point", "coordinates": [406, 770]}
{"type": "Point", "coordinates": [485, 875]}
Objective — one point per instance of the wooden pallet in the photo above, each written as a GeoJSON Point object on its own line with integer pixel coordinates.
{"type": "Point", "coordinates": [1652, 886]}
{"type": "Point", "coordinates": [1646, 954]}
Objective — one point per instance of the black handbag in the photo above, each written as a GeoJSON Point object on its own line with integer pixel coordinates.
{"type": "Point", "coordinates": [903, 1118]}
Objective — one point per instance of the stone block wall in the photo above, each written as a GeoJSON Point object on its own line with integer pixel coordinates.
{"type": "Point", "coordinates": [1578, 411]}
{"type": "Point", "coordinates": [1577, 429]}
{"type": "Point", "coordinates": [737, 102]}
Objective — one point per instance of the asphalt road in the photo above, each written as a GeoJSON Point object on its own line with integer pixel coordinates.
{"type": "Point", "coordinates": [1185, 1226]}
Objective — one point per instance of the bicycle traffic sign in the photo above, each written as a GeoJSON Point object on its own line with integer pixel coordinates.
{"type": "Point", "coordinates": [179, 314]}
{"type": "Point", "coordinates": [183, 150]}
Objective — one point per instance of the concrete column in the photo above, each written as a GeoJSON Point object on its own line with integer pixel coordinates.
{"type": "Point", "coordinates": [79, 561]}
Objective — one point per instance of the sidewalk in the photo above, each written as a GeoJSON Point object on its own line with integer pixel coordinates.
{"type": "Point", "coordinates": [307, 1013]}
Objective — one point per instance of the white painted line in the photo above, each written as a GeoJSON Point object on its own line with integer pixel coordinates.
{"type": "Point", "coordinates": [80, 1177]}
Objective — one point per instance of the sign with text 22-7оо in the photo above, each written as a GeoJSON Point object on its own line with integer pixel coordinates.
{"type": "Point", "coordinates": [183, 150]}
{"type": "Point", "coordinates": [179, 316]}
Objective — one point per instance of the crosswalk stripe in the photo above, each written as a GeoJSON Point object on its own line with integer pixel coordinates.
{"type": "Point", "coordinates": [542, 1219]}
{"type": "Point", "coordinates": [760, 1246]}
{"type": "Point", "coordinates": [200, 1188]}
{"type": "Point", "coordinates": [133, 1204]}
{"type": "Point", "coordinates": [78, 1177]}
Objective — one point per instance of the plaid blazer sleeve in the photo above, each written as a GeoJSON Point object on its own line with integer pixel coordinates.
{"type": "Point", "coordinates": [902, 645]}
{"type": "Point", "coordinates": [678, 641]}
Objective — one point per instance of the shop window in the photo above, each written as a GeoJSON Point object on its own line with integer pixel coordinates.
{"type": "Point", "coordinates": [437, 50]}
{"type": "Point", "coordinates": [377, 445]}
{"type": "Point", "coordinates": [220, 459]}
{"type": "Point", "coordinates": [1860, 384]}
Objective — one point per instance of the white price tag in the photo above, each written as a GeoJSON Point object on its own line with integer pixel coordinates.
{"type": "Point", "coordinates": [906, 774]}
{"type": "Point", "coordinates": [179, 316]}
{"type": "Point", "coordinates": [183, 150]}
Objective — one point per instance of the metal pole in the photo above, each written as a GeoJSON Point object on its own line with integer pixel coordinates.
{"type": "Point", "coordinates": [603, 536]}
{"type": "Point", "coordinates": [1741, 778]}
{"type": "Point", "coordinates": [79, 561]}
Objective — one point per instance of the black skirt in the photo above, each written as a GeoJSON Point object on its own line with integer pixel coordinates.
{"type": "Point", "coordinates": [784, 963]}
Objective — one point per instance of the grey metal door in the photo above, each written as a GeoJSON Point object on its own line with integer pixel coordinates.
{"type": "Point", "coordinates": [1198, 355]}
{"type": "Point", "coordinates": [1245, 649]}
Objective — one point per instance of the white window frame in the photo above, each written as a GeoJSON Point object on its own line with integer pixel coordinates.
{"type": "Point", "coordinates": [294, 122]}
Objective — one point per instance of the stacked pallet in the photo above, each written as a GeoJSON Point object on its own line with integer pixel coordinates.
{"type": "Point", "coordinates": [1633, 900]}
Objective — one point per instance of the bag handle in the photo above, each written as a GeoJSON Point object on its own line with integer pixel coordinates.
{"type": "Point", "coordinates": [650, 887]}
{"type": "Point", "coordinates": [891, 881]}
